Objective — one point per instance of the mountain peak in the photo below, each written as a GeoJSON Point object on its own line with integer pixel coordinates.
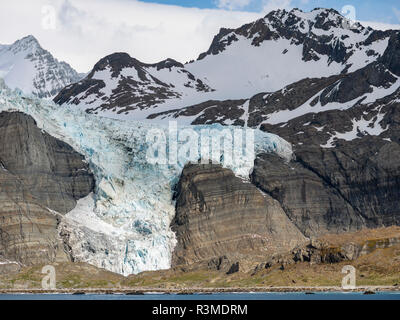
{"type": "Point", "coordinates": [26, 43]}
{"type": "Point", "coordinates": [27, 66]}
{"type": "Point", "coordinates": [168, 63]}
{"type": "Point", "coordinates": [318, 18]}
{"type": "Point", "coordinates": [116, 62]}
{"type": "Point", "coordinates": [265, 55]}
{"type": "Point", "coordinates": [29, 38]}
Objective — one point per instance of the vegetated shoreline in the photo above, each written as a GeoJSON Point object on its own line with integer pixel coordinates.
{"type": "Point", "coordinates": [140, 291]}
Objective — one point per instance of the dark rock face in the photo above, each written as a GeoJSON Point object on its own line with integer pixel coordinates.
{"type": "Point", "coordinates": [234, 268]}
{"type": "Point", "coordinates": [391, 57]}
{"type": "Point", "coordinates": [28, 230]}
{"type": "Point", "coordinates": [336, 190]}
{"type": "Point", "coordinates": [357, 84]}
{"type": "Point", "coordinates": [365, 173]}
{"type": "Point", "coordinates": [50, 169]}
{"type": "Point", "coordinates": [315, 206]}
{"type": "Point", "coordinates": [221, 218]}
{"type": "Point", "coordinates": [218, 46]}
{"type": "Point", "coordinates": [38, 174]}
{"type": "Point", "coordinates": [209, 112]}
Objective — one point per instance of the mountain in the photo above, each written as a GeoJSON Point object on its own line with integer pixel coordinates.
{"type": "Point", "coordinates": [308, 99]}
{"type": "Point", "coordinates": [119, 83]}
{"type": "Point", "coordinates": [327, 140]}
{"type": "Point", "coordinates": [284, 47]}
{"type": "Point", "coordinates": [266, 55]}
{"type": "Point", "coordinates": [124, 223]}
{"type": "Point", "coordinates": [27, 66]}
{"type": "Point", "coordinates": [344, 130]}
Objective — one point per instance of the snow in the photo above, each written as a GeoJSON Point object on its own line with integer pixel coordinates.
{"type": "Point", "coordinates": [371, 127]}
{"type": "Point", "coordinates": [110, 82]}
{"type": "Point", "coordinates": [243, 70]}
{"type": "Point", "coordinates": [26, 66]}
{"type": "Point", "coordinates": [360, 58]}
{"type": "Point", "coordinates": [245, 115]}
{"type": "Point", "coordinates": [287, 115]}
{"type": "Point", "coordinates": [12, 66]}
{"type": "Point", "coordinates": [124, 226]}
{"type": "Point", "coordinates": [382, 92]}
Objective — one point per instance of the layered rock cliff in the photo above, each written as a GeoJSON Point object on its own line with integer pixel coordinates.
{"type": "Point", "coordinates": [41, 177]}
{"type": "Point", "coordinates": [222, 220]}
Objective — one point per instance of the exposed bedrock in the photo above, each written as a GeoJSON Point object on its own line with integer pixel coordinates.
{"type": "Point", "coordinates": [40, 178]}
{"type": "Point", "coordinates": [347, 188]}
{"type": "Point", "coordinates": [312, 204]}
{"type": "Point", "coordinates": [50, 169]}
{"type": "Point", "coordinates": [222, 220]}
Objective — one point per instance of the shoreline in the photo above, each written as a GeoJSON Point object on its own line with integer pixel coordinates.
{"type": "Point", "coordinates": [188, 291]}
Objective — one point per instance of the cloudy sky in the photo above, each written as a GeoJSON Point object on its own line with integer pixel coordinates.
{"type": "Point", "coordinates": [83, 31]}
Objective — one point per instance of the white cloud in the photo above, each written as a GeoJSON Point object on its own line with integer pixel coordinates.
{"type": "Point", "coordinates": [88, 30]}
{"type": "Point", "coordinates": [269, 5]}
{"type": "Point", "coordinates": [380, 25]}
{"type": "Point", "coordinates": [233, 4]}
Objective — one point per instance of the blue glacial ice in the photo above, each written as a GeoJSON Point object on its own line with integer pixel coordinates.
{"type": "Point", "coordinates": [124, 226]}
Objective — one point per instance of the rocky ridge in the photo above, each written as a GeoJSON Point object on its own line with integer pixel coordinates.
{"type": "Point", "coordinates": [298, 45]}
{"type": "Point", "coordinates": [120, 83]}
{"type": "Point", "coordinates": [27, 66]}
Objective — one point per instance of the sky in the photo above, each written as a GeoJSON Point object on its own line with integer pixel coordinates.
{"type": "Point", "coordinates": [81, 32]}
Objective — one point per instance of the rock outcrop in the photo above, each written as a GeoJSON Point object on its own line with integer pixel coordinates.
{"type": "Point", "coordinates": [222, 220]}
{"type": "Point", "coordinates": [324, 250]}
{"type": "Point", "coordinates": [136, 85]}
{"type": "Point", "coordinates": [346, 188]}
{"type": "Point", "coordinates": [315, 206]}
{"type": "Point", "coordinates": [50, 169]}
{"type": "Point", "coordinates": [40, 178]}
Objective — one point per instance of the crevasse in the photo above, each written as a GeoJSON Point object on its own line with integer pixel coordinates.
{"type": "Point", "coordinates": [124, 226]}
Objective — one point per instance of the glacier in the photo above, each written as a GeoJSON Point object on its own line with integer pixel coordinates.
{"type": "Point", "coordinates": [124, 225]}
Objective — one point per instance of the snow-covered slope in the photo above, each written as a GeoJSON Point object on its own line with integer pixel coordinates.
{"type": "Point", "coordinates": [27, 66]}
{"type": "Point", "coordinates": [125, 226]}
{"type": "Point", "coordinates": [285, 47]}
{"type": "Point", "coordinates": [340, 107]}
{"type": "Point", "coordinates": [262, 56]}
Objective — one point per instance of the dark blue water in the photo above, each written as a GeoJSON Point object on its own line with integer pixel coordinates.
{"type": "Point", "coordinates": [214, 296]}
